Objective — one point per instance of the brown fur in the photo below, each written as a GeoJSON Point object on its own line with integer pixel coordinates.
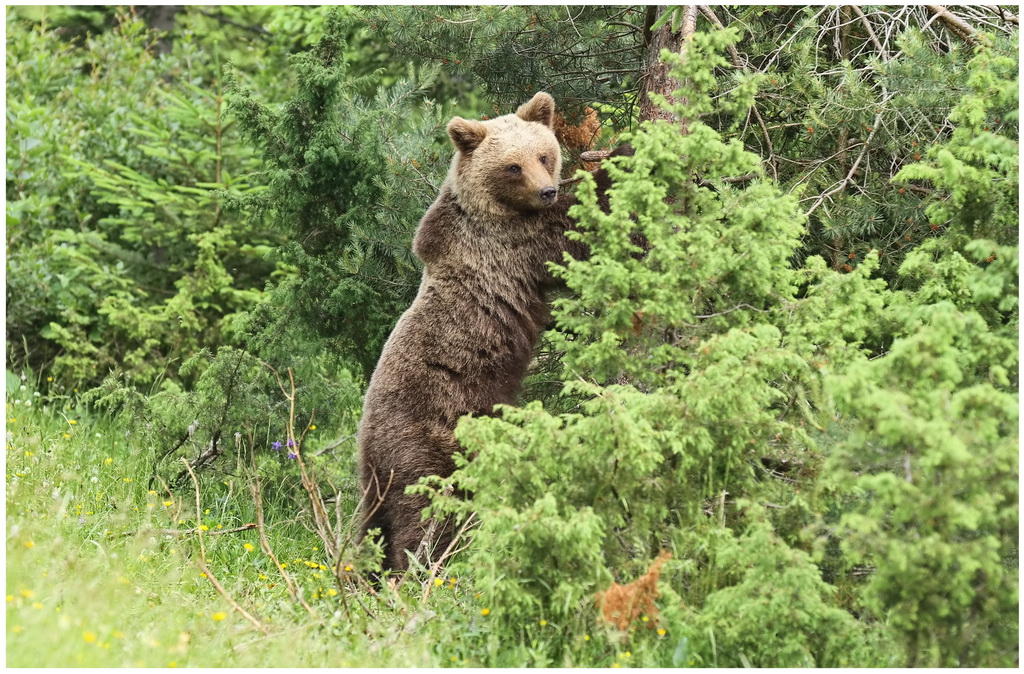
{"type": "Point", "coordinates": [466, 342]}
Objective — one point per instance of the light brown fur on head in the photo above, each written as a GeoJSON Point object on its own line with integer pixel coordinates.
{"type": "Point", "coordinates": [508, 165]}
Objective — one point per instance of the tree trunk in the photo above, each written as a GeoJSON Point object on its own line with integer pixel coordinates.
{"type": "Point", "coordinates": [656, 77]}
{"type": "Point", "coordinates": [161, 18]}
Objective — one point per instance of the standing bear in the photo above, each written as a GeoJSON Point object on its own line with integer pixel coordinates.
{"type": "Point", "coordinates": [466, 342]}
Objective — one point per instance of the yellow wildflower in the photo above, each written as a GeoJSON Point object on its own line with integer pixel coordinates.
{"type": "Point", "coordinates": [219, 615]}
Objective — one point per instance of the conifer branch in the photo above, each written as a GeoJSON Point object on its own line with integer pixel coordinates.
{"type": "Point", "coordinates": [738, 63]}
{"type": "Point", "coordinates": [871, 33]}
{"type": "Point", "coordinates": [856, 164]}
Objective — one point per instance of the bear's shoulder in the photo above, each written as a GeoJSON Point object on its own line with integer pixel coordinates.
{"type": "Point", "coordinates": [438, 228]}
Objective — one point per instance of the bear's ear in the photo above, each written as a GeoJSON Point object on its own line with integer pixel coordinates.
{"type": "Point", "coordinates": [466, 134]}
{"type": "Point", "coordinates": [540, 108]}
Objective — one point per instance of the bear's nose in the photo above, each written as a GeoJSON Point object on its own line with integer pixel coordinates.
{"type": "Point", "coordinates": [548, 193]}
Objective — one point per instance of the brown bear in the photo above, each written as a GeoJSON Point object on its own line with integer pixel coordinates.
{"type": "Point", "coordinates": [466, 342]}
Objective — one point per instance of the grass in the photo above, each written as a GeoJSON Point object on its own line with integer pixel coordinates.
{"type": "Point", "coordinates": [104, 571]}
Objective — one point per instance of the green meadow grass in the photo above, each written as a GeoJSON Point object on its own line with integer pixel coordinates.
{"type": "Point", "coordinates": [96, 578]}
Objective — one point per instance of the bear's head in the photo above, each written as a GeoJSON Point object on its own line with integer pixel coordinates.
{"type": "Point", "coordinates": [507, 165]}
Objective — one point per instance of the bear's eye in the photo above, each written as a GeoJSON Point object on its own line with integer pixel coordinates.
{"type": "Point", "coordinates": [514, 168]}
{"type": "Point", "coordinates": [544, 159]}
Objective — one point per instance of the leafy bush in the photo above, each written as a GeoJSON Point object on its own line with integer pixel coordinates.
{"type": "Point", "coordinates": [721, 386]}
{"type": "Point", "coordinates": [120, 254]}
{"type": "Point", "coordinates": [348, 179]}
{"type": "Point", "coordinates": [932, 450]}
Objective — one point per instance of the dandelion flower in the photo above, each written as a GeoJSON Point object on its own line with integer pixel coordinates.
{"type": "Point", "coordinates": [90, 637]}
{"type": "Point", "coordinates": [438, 582]}
{"type": "Point", "coordinates": [248, 547]}
{"type": "Point", "coordinates": [29, 544]}
{"type": "Point", "coordinates": [168, 503]}
{"type": "Point", "coordinates": [485, 611]}
{"type": "Point", "coordinates": [72, 421]}
{"type": "Point", "coordinates": [543, 623]}
{"type": "Point", "coordinates": [219, 615]}
{"type": "Point", "coordinates": [107, 461]}
{"type": "Point", "coordinates": [661, 631]}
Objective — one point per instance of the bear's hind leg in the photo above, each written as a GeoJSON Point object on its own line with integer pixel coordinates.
{"type": "Point", "coordinates": [409, 530]}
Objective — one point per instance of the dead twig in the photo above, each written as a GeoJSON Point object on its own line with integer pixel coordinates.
{"type": "Point", "coordinates": [187, 532]}
{"type": "Point", "coordinates": [448, 552]}
{"type": "Point", "coordinates": [955, 23]}
{"type": "Point", "coordinates": [220, 590]}
{"type": "Point", "coordinates": [423, 549]}
{"type": "Point", "coordinates": [204, 569]}
{"type": "Point", "coordinates": [856, 164]}
{"type": "Point", "coordinates": [260, 525]}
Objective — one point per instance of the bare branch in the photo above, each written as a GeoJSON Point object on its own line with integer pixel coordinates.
{"type": "Point", "coordinates": [955, 23]}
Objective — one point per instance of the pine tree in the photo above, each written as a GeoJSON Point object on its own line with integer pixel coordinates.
{"type": "Point", "coordinates": [348, 179]}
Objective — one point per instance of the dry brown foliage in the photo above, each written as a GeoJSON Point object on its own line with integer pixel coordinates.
{"type": "Point", "coordinates": [622, 605]}
{"type": "Point", "coordinates": [578, 138]}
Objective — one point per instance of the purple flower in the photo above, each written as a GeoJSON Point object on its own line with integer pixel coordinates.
{"type": "Point", "coordinates": [292, 455]}
{"type": "Point", "coordinates": [276, 446]}
{"type": "Point", "coordinates": [291, 443]}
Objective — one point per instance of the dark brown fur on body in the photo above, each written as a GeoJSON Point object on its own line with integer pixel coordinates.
{"type": "Point", "coordinates": [467, 340]}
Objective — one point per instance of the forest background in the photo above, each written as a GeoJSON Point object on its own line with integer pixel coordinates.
{"type": "Point", "coordinates": [783, 435]}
